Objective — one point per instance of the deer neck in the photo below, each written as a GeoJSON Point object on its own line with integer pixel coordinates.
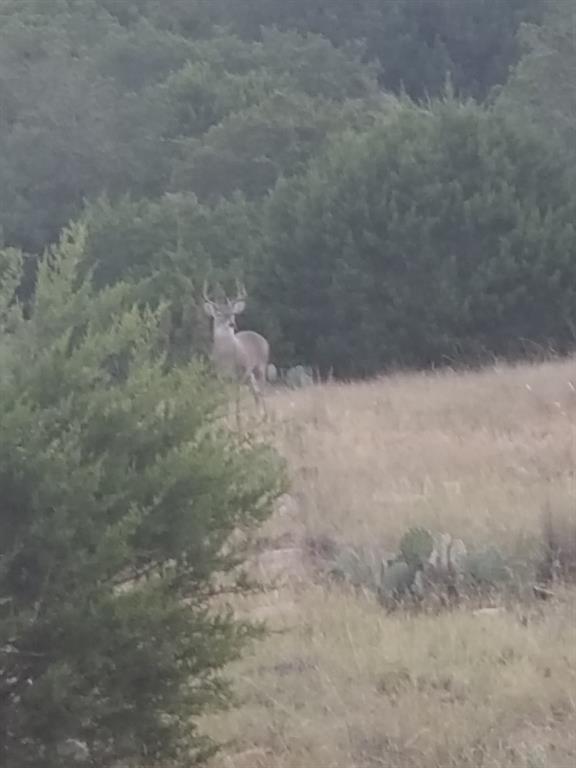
{"type": "Point", "coordinates": [224, 337]}
{"type": "Point", "coordinates": [225, 350]}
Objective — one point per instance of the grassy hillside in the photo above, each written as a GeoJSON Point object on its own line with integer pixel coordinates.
{"type": "Point", "coordinates": [340, 683]}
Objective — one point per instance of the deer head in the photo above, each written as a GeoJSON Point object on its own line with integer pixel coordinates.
{"type": "Point", "coordinates": [224, 312]}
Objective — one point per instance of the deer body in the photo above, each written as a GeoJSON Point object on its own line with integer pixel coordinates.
{"type": "Point", "coordinates": [241, 355]}
{"type": "Point", "coordinates": [244, 355]}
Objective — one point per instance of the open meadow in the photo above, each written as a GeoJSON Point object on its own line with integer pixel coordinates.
{"type": "Point", "coordinates": [340, 682]}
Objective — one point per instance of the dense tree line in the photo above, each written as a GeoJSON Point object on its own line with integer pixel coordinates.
{"type": "Point", "coordinates": [415, 43]}
{"type": "Point", "coordinates": [88, 104]}
{"type": "Point", "coordinates": [191, 117]}
{"type": "Point", "coordinates": [393, 180]}
{"type": "Point", "coordinates": [438, 235]}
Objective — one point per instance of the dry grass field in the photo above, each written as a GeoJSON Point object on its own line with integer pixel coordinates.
{"type": "Point", "coordinates": [341, 683]}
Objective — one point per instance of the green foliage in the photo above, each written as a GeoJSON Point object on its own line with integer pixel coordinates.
{"type": "Point", "coordinates": [487, 568]}
{"type": "Point", "coordinates": [133, 240]}
{"type": "Point", "coordinates": [120, 487]}
{"type": "Point", "coordinates": [416, 546]}
{"type": "Point", "coordinates": [188, 116]}
{"type": "Point", "coordinates": [243, 114]}
{"type": "Point", "coordinates": [433, 569]}
{"type": "Point", "coordinates": [356, 567]}
{"type": "Point", "coordinates": [166, 249]}
{"type": "Point", "coordinates": [417, 43]}
{"type": "Point", "coordinates": [108, 97]}
{"type": "Point", "coordinates": [541, 92]}
{"type": "Point", "coordinates": [439, 235]}
{"type": "Point", "coordinates": [70, 129]}
{"type": "Point", "coordinates": [144, 96]}
{"type": "Point", "coordinates": [397, 579]}
{"type": "Point", "coordinates": [251, 149]}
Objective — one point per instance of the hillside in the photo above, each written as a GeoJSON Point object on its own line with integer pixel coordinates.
{"type": "Point", "coordinates": [341, 682]}
{"type": "Point", "coordinates": [369, 187]}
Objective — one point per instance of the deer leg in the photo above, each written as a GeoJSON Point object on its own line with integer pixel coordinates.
{"type": "Point", "coordinates": [263, 371]}
{"type": "Point", "coordinates": [254, 386]}
{"type": "Point", "coordinates": [258, 380]}
{"type": "Point", "coordinates": [237, 403]}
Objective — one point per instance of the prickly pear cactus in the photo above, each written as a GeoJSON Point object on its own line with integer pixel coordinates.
{"type": "Point", "coordinates": [357, 568]}
{"type": "Point", "coordinates": [416, 547]}
{"type": "Point", "coordinates": [457, 556]}
{"type": "Point", "coordinates": [487, 567]}
{"type": "Point", "coordinates": [448, 553]}
{"type": "Point", "coordinates": [396, 581]}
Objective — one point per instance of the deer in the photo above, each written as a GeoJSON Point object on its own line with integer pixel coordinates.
{"type": "Point", "coordinates": [242, 356]}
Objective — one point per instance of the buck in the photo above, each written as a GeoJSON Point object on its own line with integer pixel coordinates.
{"type": "Point", "coordinates": [243, 355]}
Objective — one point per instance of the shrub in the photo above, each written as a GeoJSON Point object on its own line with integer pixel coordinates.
{"type": "Point", "coordinates": [119, 489]}
{"type": "Point", "coordinates": [440, 235]}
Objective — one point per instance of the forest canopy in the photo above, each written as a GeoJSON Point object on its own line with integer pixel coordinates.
{"type": "Point", "coordinates": [226, 139]}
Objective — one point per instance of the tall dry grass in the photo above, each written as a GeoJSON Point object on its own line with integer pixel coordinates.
{"type": "Point", "coordinates": [341, 684]}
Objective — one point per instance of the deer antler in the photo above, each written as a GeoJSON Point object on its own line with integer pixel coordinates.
{"type": "Point", "coordinates": [205, 293]}
{"type": "Point", "coordinates": [240, 290]}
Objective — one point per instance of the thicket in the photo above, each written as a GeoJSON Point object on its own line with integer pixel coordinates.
{"type": "Point", "coordinates": [120, 487]}
{"type": "Point", "coordinates": [440, 235]}
{"type": "Point", "coordinates": [213, 129]}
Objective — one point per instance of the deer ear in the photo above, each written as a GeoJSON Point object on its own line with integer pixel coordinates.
{"type": "Point", "coordinates": [239, 306]}
{"type": "Point", "coordinates": [209, 308]}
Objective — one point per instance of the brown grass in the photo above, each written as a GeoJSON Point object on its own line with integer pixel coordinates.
{"type": "Point", "coordinates": [341, 684]}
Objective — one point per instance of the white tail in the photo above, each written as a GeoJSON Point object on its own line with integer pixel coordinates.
{"type": "Point", "coordinates": [244, 355]}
